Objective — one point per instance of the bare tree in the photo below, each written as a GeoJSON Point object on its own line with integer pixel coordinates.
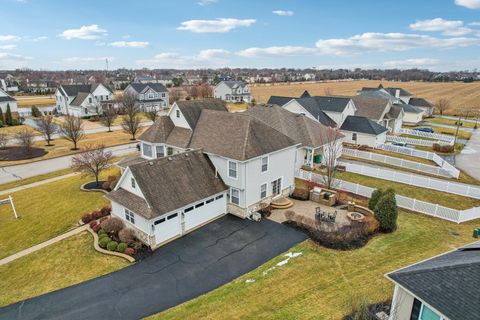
{"type": "Point", "coordinates": [131, 120]}
{"type": "Point", "coordinates": [175, 95]}
{"type": "Point", "coordinates": [92, 161]}
{"type": "Point", "coordinates": [442, 105]}
{"type": "Point", "coordinates": [332, 150]}
{"type": "Point", "coordinates": [47, 128]}
{"type": "Point", "coordinates": [205, 90]}
{"type": "Point", "coordinates": [108, 117]}
{"type": "Point", "coordinates": [72, 130]}
{"type": "Point", "coordinates": [152, 114]}
{"type": "Point", "coordinates": [25, 138]}
{"type": "Point", "coordinates": [193, 92]}
{"type": "Point", "coordinates": [3, 140]}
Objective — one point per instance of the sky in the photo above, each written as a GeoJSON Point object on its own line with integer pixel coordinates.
{"type": "Point", "coordinates": [440, 35]}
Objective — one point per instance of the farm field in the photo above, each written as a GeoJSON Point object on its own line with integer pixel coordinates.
{"type": "Point", "coordinates": [460, 94]}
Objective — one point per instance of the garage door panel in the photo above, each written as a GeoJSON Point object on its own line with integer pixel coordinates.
{"type": "Point", "coordinates": [204, 213]}
{"type": "Point", "coordinates": [167, 227]}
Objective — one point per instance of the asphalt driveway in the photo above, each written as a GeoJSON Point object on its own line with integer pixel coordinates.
{"type": "Point", "coordinates": [184, 269]}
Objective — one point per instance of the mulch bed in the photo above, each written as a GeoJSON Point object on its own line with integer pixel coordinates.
{"type": "Point", "coordinates": [18, 153]}
{"type": "Point", "coordinates": [142, 253]}
{"type": "Point", "coordinates": [93, 186]}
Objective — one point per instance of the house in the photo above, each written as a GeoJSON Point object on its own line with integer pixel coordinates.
{"type": "Point", "coordinates": [165, 198]}
{"type": "Point", "coordinates": [441, 288]}
{"type": "Point", "coordinates": [411, 115]}
{"type": "Point", "coordinates": [8, 83]}
{"type": "Point", "coordinates": [381, 110]}
{"type": "Point", "coordinates": [324, 109]}
{"type": "Point", "coordinates": [149, 96]}
{"type": "Point", "coordinates": [423, 105]}
{"type": "Point", "coordinates": [7, 100]}
{"type": "Point", "coordinates": [232, 91]}
{"type": "Point", "coordinates": [82, 100]}
{"type": "Point", "coordinates": [363, 131]}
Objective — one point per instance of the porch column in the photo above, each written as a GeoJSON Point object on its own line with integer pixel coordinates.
{"type": "Point", "coordinates": [312, 152]}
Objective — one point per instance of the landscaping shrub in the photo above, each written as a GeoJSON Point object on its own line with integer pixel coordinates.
{"type": "Point", "coordinates": [443, 148]}
{"type": "Point", "coordinates": [96, 214]}
{"type": "Point", "coordinates": [112, 246]}
{"type": "Point", "coordinates": [129, 251]}
{"type": "Point", "coordinates": [104, 241]}
{"type": "Point", "coordinates": [121, 247]}
{"type": "Point", "coordinates": [36, 112]}
{"type": "Point", "coordinates": [265, 212]}
{"type": "Point", "coordinates": [112, 225]}
{"type": "Point", "coordinates": [127, 235]}
{"type": "Point", "coordinates": [93, 223]}
{"type": "Point", "coordinates": [101, 231]}
{"type": "Point", "coordinates": [97, 228]}
{"type": "Point", "coordinates": [376, 195]}
{"type": "Point", "coordinates": [104, 235]}
{"type": "Point", "coordinates": [86, 218]}
{"type": "Point", "coordinates": [300, 194]}
{"type": "Point", "coordinates": [106, 211]}
{"type": "Point", "coordinates": [386, 212]}
{"type": "Point", "coordinates": [103, 219]}
{"type": "Point", "coordinates": [110, 183]}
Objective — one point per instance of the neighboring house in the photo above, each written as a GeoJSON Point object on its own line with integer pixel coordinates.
{"type": "Point", "coordinates": [380, 110]}
{"type": "Point", "coordinates": [423, 105]}
{"type": "Point", "coordinates": [149, 96]}
{"type": "Point", "coordinates": [320, 108]}
{"type": "Point", "coordinates": [445, 287]}
{"type": "Point", "coordinates": [232, 91]}
{"type": "Point", "coordinates": [165, 198]}
{"type": "Point", "coordinates": [40, 86]}
{"type": "Point", "coordinates": [7, 100]}
{"type": "Point", "coordinates": [411, 114]}
{"type": "Point", "coordinates": [363, 131]}
{"type": "Point", "coordinates": [82, 100]}
{"type": "Point", "coordinates": [8, 83]}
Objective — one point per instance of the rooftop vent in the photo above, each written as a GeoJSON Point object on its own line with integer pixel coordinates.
{"type": "Point", "coordinates": [150, 163]}
{"type": "Point", "coordinates": [170, 159]}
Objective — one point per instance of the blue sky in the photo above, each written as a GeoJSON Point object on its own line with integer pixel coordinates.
{"type": "Point", "coordinates": [47, 34]}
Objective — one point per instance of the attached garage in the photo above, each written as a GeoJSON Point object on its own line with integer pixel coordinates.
{"type": "Point", "coordinates": [204, 211]}
{"type": "Point", "coordinates": [167, 227]}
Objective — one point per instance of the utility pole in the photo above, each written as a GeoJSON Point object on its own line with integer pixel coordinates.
{"type": "Point", "coordinates": [456, 132]}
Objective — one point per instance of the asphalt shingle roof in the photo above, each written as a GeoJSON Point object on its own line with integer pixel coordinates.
{"type": "Point", "coordinates": [234, 84]}
{"type": "Point", "coordinates": [420, 102]}
{"type": "Point", "coordinates": [370, 107]}
{"type": "Point", "coordinates": [81, 96]}
{"type": "Point", "coordinates": [192, 109]}
{"type": "Point", "coordinates": [157, 87]}
{"type": "Point", "coordinates": [362, 125]}
{"type": "Point", "coordinates": [449, 283]}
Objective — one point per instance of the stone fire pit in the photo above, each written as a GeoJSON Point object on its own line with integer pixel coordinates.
{"type": "Point", "coordinates": [356, 216]}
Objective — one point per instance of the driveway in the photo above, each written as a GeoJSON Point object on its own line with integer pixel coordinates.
{"type": "Point", "coordinates": [182, 270]}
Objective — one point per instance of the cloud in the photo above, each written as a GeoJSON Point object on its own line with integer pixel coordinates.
{"type": "Point", "coordinates": [41, 38]}
{"type": "Point", "coordinates": [207, 57]}
{"type": "Point", "coordinates": [130, 44]}
{"type": "Point", "coordinates": [8, 47]}
{"type": "Point", "coordinates": [412, 63]}
{"type": "Point", "coordinates": [90, 32]}
{"type": "Point", "coordinates": [277, 51]}
{"type": "Point", "coordinates": [283, 12]}
{"type": "Point", "coordinates": [10, 57]}
{"type": "Point", "coordinates": [470, 4]}
{"type": "Point", "coordinates": [206, 2]}
{"type": "Point", "coordinates": [475, 24]}
{"type": "Point", "coordinates": [219, 25]}
{"type": "Point", "coordinates": [447, 27]}
{"type": "Point", "coordinates": [9, 38]}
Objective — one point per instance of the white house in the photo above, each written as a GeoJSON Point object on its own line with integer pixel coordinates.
{"type": "Point", "coordinates": [423, 105]}
{"type": "Point", "coordinates": [82, 100]}
{"type": "Point", "coordinates": [8, 83]}
{"type": "Point", "coordinates": [363, 131]}
{"type": "Point", "coordinates": [149, 96]}
{"type": "Point", "coordinates": [441, 288]}
{"type": "Point", "coordinates": [232, 91]}
{"type": "Point", "coordinates": [411, 114]}
{"type": "Point", "coordinates": [380, 110]}
{"type": "Point", "coordinates": [7, 100]}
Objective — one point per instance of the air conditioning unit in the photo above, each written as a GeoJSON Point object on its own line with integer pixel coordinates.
{"type": "Point", "coordinates": [256, 216]}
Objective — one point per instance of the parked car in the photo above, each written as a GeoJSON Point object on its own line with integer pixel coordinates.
{"type": "Point", "coordinates": [400, 144]}
{"type": "Point", "coordinates": [429, 130]}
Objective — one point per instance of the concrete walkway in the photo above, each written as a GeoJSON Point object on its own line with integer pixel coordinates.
{"type": "Point", "coordinates": [43, 244]}
{"type": "Point", "coordinates": [38, 183]}
{"type": "Point", "coordinates": [467, 160]}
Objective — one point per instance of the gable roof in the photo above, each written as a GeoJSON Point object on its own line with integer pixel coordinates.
{"type": "Point", "coordinates": [362, 125]}
{"type": "Point", "coordinates": [393, 91]}
{"type": "Point", "coordinates": [140, 87]}
{"type": "Point", "coordinates": [234, 84]}
{"type": "Point", "coordinates": [409, 108]}
{"type": "Point", "coordinates": [370, 107]}
{"type": "Point", "coordinates": [279, 100]}
{"type": "Point", "coordinates": [191, 109]}
{"type": "Point", "coordinates": [78, 100]}
{"type": "Point", "coordinates": [333, 104]}
{"type": "Point", "coordinates": [236, 136]}
{"type": "Point", "coordinates": [448, 282]}
{"type": "Point", "coordinates": [73, 89]}
{"type": "Point", "coordinates": [165, 185]}
{"type": "Point", "coordinates": [420, 102]}
{"type": "Point", "coordinates": [163, 130]}
{"type": "Point", "coordinates": [299, 128]}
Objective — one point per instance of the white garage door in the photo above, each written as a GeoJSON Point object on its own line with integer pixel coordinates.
{"type": "Point", "coordinates": [204, 211]}
{"type": "Point", "coordinates": [167, 227]}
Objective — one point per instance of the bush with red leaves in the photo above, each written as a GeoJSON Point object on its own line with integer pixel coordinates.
{"type": "Point", "coordinates": [106, 211]}
{"type": "Point", "coordinates": [87, 217]}
{"type": "Point", "coordinates": [103, 219]}
{"type": "Point", "coordinates": [129, 251]}
{"type": "Point", "coordinates": [93, 223]}
{"type": "Point", "coordinates": [112, 225]}
{"type": "Point", "coordinates": [96, 214]}
{"type": "Point", "coordinates": [97, 228]}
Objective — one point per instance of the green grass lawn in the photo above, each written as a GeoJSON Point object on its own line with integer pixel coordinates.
{"type": "Point", "coordinates": [450, 131]}
{"type": "Point", "coordinates": [412, 136]}
{"type": "Point", "coordinates": [442, 198]}
{"type": "Point", "coordinates": [59, 265]}
{"type": "Point", "coordinates": [33, 179]}
{"type": "Point", "coordinates": [450, 122]}
{"type": "Point", "coordinates": [321, 283]}
{"type": "Point", "coordinates": [46, 211]}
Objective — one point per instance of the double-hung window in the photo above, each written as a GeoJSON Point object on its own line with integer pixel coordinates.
{"type": "Point", "coordinates": [276, 186]}
{"type": "Point", "coordinates": [263, 191]}
{"type": "Point", "coordinates": [132, 181]}
{"type": "Point", "coordinates": [264, 164]}
{"type": "Point", "coordinates": [129, 216]}
{"type": "Point", "coordinates": [147, 150]}
{"type": "Point", "coordinates": [235, 196]}
{"type": "Point", "coordinates": [232, 169]}
{"type": "Point", "coordinates": [160, 151]}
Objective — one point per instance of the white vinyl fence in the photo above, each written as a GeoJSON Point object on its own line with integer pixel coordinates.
{"type": "Point", "coordinates": [427, 208]}
{"type": "Point", "coordinates": [399, 162]}
{"type": "Point", "coordinates": [461, 189]}
{"type": "Point", "coordinates": [454, 172]}
{"type": "Point", "coordinates": [441, 137]}
{"type": "Point", "coordinates": [417, 142]}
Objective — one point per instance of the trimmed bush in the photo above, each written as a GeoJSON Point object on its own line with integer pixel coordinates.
{"type": "Point", "coordinates": [103, 235]}
{"type": "Point", "coordinates": [86, 218]}
{"type": "Point", "coordinates": [104, 241]}
{"type": "Point", "coordinates": [121, 247]}
{"type": "Point", "coordinates": [96, 214]}
{"type": "Point", "coordinates": [129, 251]}
{"type": "Point", "coordinates": [127, 235]}
{"type": "Point", "coordinates": [101, 231]}
{"type": "Point", "coordinates": [443, 148]}
{"type": "Point", "coordinates": [386, 212]}
{"type": "Point", "coordinates": [266, 212]}
{"type": "Point", "coordinates": [376, 195]}
{"type": "Point", "coordinates": [112, 225]}
{"type": "Point", "coordinates": [93, 223]}
{"type": "Point", "coordinates": [97, 228]}
{"type": "Point", "coordinates": [103, 219]}
{"type": "Point", "coordinates": [112, 246]}
{"type": "Point", "coordinates": [106, 211]}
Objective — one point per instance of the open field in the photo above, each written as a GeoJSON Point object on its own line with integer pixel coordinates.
{"type": "Point", "coordinates": [57, 266]}
{"type": "Point", "coordinates": [14, 129]}
{"type": "Point", "coordinates": [30, 101]}
{"type": "Point", "coordinates": [321, 283]}
{"type": "Point", "coordinates": [461, 95]}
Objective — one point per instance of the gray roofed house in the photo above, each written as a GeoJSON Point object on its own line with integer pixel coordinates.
{"type": "Point", "coordinates": [72, 99]}
{"type": "Point", "coordinates": [445, 286]}
{"type": "Point", "coordinates": [422, 104]}
{"type": "Point", "coordinates": [232, 91]}
{"type": "Point", "coordinates": [371, 107]}
{"type": "Point", "coordinates": [362, 125]}
{"type": "Point", "coordinates": [150, 96]}
{"type": "Point", "coordinates": [141, 87]}
{"type": "Point", "coordinates": [191, 109]}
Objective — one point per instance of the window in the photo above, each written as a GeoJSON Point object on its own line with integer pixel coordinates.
{"type": "Point", "coordinates": [209, 200]}
{"type": "Point", "coordinates": [232, 169]}
{"type": "Point", "coordinates": [276, 186]}
{"type": "Point", "coordinates": [159, 221]}
{"type": "Point", "coordinates": [129, 216]}
{"type": "Point", "coordinates": [89, 99]}
{"type": "Point", "coordinates": [263, 191]}
{"type": "Point", "coordinates": [235, 196]}
{"type": "Point", "coordinates": [160, 151]}
{"type": "Point", "coordinates": [219, 197]}
{"type": "Point", "coordinates": [163, 95]}
{"type": "Point", "coordinates": [428, 314]}
{"type": "Point", "coordinates": [354, 136]}
{"type": "Point", "coordinates": [188, 209]}
{"type": "Point", "coordinates": [147, 150]}
{"type": "Point", "coordinates": [170, 217]}
{"type": "Point", "coordinates": [132, 180]}
{"type": "Point", "coordinates": [169, 151]}
{"type": "Point", "coordinates": [198, 205]}
{"type": "Point", "coordinates": [178, 113]}
{"type": "Point", "coordinates": [265, 164]}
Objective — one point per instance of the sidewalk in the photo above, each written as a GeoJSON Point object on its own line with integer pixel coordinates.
{"type": "Point", "coordinates": [38, 183]}
{"type": "Point", "coordinates": [43, 244]}
{"type": "Point", "coordinates": [467, 160]}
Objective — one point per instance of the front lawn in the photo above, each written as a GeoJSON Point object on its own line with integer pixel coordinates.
{"type": "Point", "coordinates": [450, 131]}
{"type": "Point", "coordinates": [321, 283]}
{"type": "Point", "coordinates": [450, 122]}
{"type": "Point", "coordinates": [57, 266]}
{"type": "Point", "coordinates": [46, 211]}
